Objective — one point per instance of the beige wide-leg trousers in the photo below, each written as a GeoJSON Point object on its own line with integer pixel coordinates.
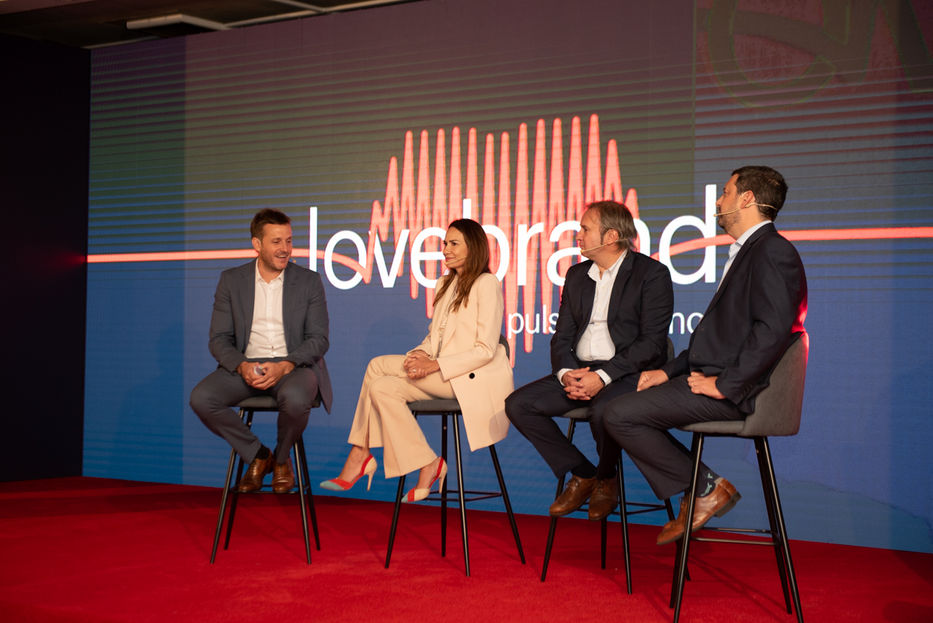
{"type": "Point", "coordinates": [382, 417]}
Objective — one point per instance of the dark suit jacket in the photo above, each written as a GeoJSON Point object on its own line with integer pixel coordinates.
{"type": "Point", "coordinates": [304, 315]}
{"type": "Point", "coordinates": [640, 309]}
{"type": "Point", "coordinates": [749, 323]}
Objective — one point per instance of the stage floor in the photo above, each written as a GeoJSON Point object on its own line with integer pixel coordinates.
{"type": "Point", "coordinates": [100, 550]}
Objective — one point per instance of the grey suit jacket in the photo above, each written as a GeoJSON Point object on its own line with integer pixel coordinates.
{"type": "Point", "coordinates": [304, 315]}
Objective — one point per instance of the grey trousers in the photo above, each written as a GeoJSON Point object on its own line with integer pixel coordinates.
{"type": "Point", "coordinates": [214, 396]}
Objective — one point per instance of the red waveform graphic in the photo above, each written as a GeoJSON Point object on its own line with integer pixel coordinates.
{"type": "Point", "coordinates": [542, 195]}
{"type": "Point", "coordinates": [547, 195]}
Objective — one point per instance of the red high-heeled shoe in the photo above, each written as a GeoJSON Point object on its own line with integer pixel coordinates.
{"type": "Point", "coordinates": [338, 484]}
{"type": "Point", "coordinates": [416, 495]}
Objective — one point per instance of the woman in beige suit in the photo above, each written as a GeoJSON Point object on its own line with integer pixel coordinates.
{"type": "Point", "coordinates": [460, 358]}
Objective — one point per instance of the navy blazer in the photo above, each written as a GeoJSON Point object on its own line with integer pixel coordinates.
{"type": "Point", "coordinates": [759, 306]}
{"type": "Point", "coordinates": [639, 317]}
{"type": "Point", "coordinates": [304, 316]}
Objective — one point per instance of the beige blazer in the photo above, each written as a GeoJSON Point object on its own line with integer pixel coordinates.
{"type": "Point", "coordinates": [473, 361]}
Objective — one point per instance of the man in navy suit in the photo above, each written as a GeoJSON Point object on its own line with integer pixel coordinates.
{"type": "Point", "coordinates": [760, 304]}
{"type": "Point", "coordinates": [614, 316]}
{"type": "Point", "coordinates": [269, 333]}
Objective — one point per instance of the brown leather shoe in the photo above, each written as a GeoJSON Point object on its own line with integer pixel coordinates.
{"type": "Point", "coordinates": [605, 498]}
{"type": "Point", "coordinates": [573, 496]}
{"type": "Point", "coordinates": [252, 479]}
{"type": "Point", "coordinates": [720, 501]}
{"type": "Point", "coordinates": [674, 529]}
{"type": "Point", "coordinates": [283, 479]}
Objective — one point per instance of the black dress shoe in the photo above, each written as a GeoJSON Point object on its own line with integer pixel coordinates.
{"type": "Point", "coordinates": [252, 479]}
{"type": "Point", "coordinates": [573, 496]}
{"type": "Point", "coordinates": [604, 500]}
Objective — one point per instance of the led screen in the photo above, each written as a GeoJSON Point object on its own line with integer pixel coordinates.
{"type": "Point", "coordinates": [374, 129]}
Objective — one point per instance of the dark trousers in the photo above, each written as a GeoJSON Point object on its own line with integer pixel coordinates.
{"type": "Point", "coordinates": [214, 396]}
{"type": "Point", "coordinates": [533, 407]}
{"type": "Point", "coordinates": [640, 421]}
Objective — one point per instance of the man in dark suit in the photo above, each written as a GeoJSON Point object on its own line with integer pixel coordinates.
{"type": "Point", "coordinates": [760, 304]}
{"type": "Point", "coordinates": [614, 316]}
{"type": "Point", "coordinates": [269, 333]}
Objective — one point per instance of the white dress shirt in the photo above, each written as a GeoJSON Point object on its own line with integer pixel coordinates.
{"type": "Point", "coordinates": [267, 333]}
{"type": "Point", "coordinates": [596, 343]}
{"type": "Point", "coordinates": [735, 246]}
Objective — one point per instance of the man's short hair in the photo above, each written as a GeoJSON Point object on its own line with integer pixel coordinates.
{"type": "Point", "coordinates": [267, 216]}
{"type": "Point", "coordinates": [613, 215]}
{"type": "Point", "coordinates": [768, 185]}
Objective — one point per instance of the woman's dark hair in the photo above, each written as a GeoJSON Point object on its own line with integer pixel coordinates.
{"type": "Point", "coordinates": [477, 261]}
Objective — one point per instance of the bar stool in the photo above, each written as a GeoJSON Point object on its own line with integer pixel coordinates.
{"type": "Point", "coordinates": [306, 499]}
{"type": "Point", "coordinates": [445, 409]}
{"type": "Point", "coordinates": [777, 413]}
{"type": "Point", "coordinates": [450, 408]}
{"type": "Point", "coordinates": [581, 414]}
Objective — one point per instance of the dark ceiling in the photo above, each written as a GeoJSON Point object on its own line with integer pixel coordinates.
{"type": "Point", "coordinates": [98, 23]}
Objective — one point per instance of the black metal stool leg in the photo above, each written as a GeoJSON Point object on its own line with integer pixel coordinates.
{"type": "Point", "coordinates": [571, 426]}
{"type": "Point", "coordinates": [547, 549]}
{"type": "Point", "coordinates": [235, 498]}
{"type": "Point", "coordinates": [603, 524]}
{"type": "Point", "coordinates": [505, 499]}
{"type": "Point", "coordinates": [551, 531]}
{"type": "Point", "coordinates": [398, 507]}
{"type": "Point", "coordinates": [247, 416]}
{"type": "Point", "coordinates": [310, 494]}
{"type": "Point", "coordinates": [302, 483]}
{"type": "Point", "coordinates": [623, 519]}
{"type": "Point", "coordinates": [446, 487]}
{"type": "Point", "coordinates": [677, 590]}
{"type": "Point", "coordinates": [763, 471]}
{"type": "Point", "coordinates": [460, 497]}
{"type": "Point", "coordinates": [223, 505]}
{"type": "Point", "coordinates": [779, 518]}
{"type": "Point", "coordinates": [670, 516]}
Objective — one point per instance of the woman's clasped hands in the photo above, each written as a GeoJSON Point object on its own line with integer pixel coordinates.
{"type": "Point", "coordinates": [418, 364]}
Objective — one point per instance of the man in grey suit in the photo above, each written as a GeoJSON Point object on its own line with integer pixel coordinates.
{"type": "Point", "coordinates": [760, 304]}
{"type": "Point", "coordinates": [614, 316]}
{"type": "Point", "coordinates": [269, 333]}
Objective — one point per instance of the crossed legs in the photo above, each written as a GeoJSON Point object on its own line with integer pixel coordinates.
{"type": "Point", "coordinates": [383, 419]}
{"type": "Point", "coordinates": [640, 421]}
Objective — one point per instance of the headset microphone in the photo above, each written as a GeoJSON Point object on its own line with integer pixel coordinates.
{"type": "Point", "coordinates": [729, 212]}
{"type": "Point", "coordinates": [594, 248]}
{"type": "Point", "coordinates": [753, 203]}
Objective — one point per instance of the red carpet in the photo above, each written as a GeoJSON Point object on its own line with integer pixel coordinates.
{"type": "Point", "coordinates": [95, 550]}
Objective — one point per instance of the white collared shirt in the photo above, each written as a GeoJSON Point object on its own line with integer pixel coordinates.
{"type": "Point", "coordinates": [735, 246]}
{"type": "Point", "coordinates": [596, 343]}
{"type": "Point", "coordinates": [267, 333]}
